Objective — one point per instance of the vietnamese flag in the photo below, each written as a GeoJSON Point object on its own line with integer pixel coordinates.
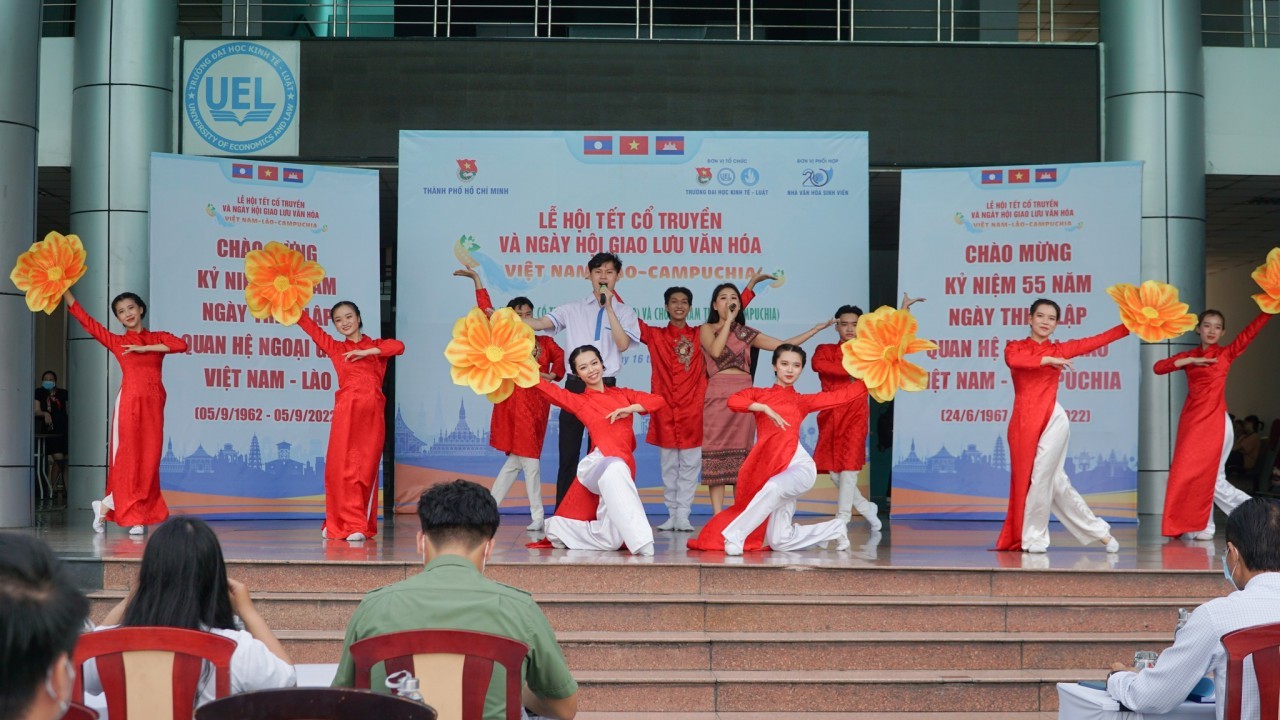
{"type": "Point", "coordinates": [1020, 175]}
{"type": "Point", "coordinates": [634, 145]}
{"type": "Point", "coordinates": [267, 172]}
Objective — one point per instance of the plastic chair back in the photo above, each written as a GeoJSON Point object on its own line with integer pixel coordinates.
{"type": "Point", "coordinates": [1263, 643]}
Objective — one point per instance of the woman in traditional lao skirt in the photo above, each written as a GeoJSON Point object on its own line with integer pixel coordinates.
{"type": "Point", "coordinates": [1197, 474]}
{"type": "Point", "coordinates": [778, 470]}
{"type": "Point", "coordinates": [1038, 435]}
{"type": "Point", "coordinates": [133, 496]}
{"type": "Point", "coordinates": [602, 510]}
{"type": "Point", "coordinates": [357, 429]}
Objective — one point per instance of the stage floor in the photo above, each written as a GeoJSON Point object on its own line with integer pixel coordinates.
{"type": "Point", "coordinates": [901, 543]}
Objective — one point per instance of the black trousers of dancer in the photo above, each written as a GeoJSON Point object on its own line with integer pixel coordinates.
{"type": "Point", "coordinates": [571, 432]}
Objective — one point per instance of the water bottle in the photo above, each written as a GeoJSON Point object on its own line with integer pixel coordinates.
{"type": "Point", "coordinates": [409, 689]}
{"type": "Point", "coordinates": [1183, 617]}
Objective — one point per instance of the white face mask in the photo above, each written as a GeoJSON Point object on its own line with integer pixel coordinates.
{"type": "Point", "coordinates": [1226, 570]}
{"type": "Point", "coordinates": [64, 704]}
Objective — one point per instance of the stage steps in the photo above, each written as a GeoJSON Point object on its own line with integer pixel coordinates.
{"type": "Point", "coordinates": [779, 638]}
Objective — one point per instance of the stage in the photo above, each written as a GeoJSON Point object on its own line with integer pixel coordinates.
{"type": "Point", "coordinates": [920, 618]}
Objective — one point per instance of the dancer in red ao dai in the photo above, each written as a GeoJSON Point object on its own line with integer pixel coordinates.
{"type": "Point", "coordinates": [357, 430]}
{"type": "Point", "coordinates": [602, 509]}
{"type": "Point", "coordinates": [1038, 435]}
{"type": "Point", "coordinates": [518, 426]}
{"type": "Point", "coordinates": [1197, 473]}
{"type": "Point", "coordinates": [137, 421]}
{"type": "Point", "coordinates": [778, 470]}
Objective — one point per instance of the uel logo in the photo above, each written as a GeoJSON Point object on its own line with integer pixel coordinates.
{"type": "Point", "coordinates": [236, 91]}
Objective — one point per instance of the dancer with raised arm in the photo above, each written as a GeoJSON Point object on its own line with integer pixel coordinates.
{"type": "Point", "coordinates": [1038, 435]}
{"type": "Point", "coordinates": [357, 430]}
{"type": "Point", "coordinates": [778, 469]}
{"type": "Point", "coordinates": [1197, 473]}
{"type": "Point", "coordinates": [518, 426]}
{"type": "Point", "coordinates": [726, 346]}
{"type": "Point", "coordinates": [136, 440]}
{"type": "Point", "coordinates": [602, 509]}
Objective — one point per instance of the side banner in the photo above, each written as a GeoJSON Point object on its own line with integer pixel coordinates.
{"type": "Point", "coordinates": [528, 209]}
{"type": "Point", "coordinates": [247, 419]}
{"type": "Point", "coordinates": [981, 244]}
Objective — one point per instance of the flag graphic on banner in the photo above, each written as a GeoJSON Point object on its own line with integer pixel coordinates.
{"type": "Point", "coordinates": [669, 144]}
{"type": "Point", "coordinates": [1019, 175]}
{"type": "Point", "coordinates": [597, 145]}
{"type": "Point", "coordinates": [242, 171]}
{"type": "Point", "coordinates": [633, 145]}
{"type": "Point", "coordinates": [1047, 175]}
{"type": "Point", "coordinates": [268, 172]}
{"type": "Point", "coordinates": [992, 177]}
{"type": "Point", "coordinates": [293, 175]}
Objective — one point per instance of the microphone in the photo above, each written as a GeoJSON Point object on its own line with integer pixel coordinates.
{"type": "Point", "coordinates": [604, 289]}
{"type": "Point", "coordinates": [733, 307]}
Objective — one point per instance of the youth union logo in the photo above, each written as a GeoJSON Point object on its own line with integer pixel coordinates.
{"type": "Point", "coordinates": [241, 97]}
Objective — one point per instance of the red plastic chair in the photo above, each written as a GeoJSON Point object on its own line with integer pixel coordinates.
{"type": "Point", "coordinates": [453, 667]}
{"type": "Point", "coordinates": [1263, 643]}
{"type": "Point", "coordinates": [162, 665]}
{"type": "Point", "coordinates": [80, 712]}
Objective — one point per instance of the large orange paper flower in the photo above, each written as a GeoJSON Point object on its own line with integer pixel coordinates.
{"type": "Point", "coordinates": [1268, 278]}
{"type": "Point", "coordinates": [1152, 311]}
{"type": "Point", "coordinates": [46, 270]}
{"type": "Point", "coordinates": [280, 281]}
{"type": "Point", "coordinates": [878, 355]}
{"type": "Point", "coordinates": [492, 355]}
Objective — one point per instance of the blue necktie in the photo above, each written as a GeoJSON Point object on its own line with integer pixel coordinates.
{"type": "Point", "coordinates": [599, 321]}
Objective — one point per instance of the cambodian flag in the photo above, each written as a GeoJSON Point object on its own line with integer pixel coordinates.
{"type": "Point", "coordinates": [292, 175]}
{"type": "Point", "coordinates": [669, 145]}
{"type": "Point", "coordinates": [992, 177]}
{"type": "Point", "coordinates": [597, 145]}
{"type": "Point", "coordinates": [244, 172]}
{"type": "Point", "coordinates": [1047, 175]}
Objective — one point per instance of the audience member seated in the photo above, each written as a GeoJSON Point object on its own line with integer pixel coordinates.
{"type": "Point", "coordinates": [458, 521]}
{"type": "Point", "coordinates": [183, 584]}
{"type": "Point", "coordinates": [41, 616]}
{"type": "Point", "coordinates": [1252, 566]}
{"type": "Point", "coordinates": [1247, 449]}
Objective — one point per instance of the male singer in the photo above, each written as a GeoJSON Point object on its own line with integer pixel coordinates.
{"type": "Point", "coordinates": [601, 320]}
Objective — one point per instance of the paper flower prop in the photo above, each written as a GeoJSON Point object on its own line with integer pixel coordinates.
{"type": "Point", "coordinates": [1152, 311]}
{"type": "Point", "coordinates": [46, 270]}
{"type": "Point", "coordinates": [492, 355]}
{"type": "Point", "coordinates": [878, 355]}
{"type": "Point", "coordinates": [280, 281]}
{"type": "Point", "coordinates": [1268, 278]}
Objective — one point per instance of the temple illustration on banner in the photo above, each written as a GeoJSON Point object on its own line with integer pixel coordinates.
{"type": "Point", "coordinates": [973, 472]}
{"type": "Point", "coordinates": [230, 472]}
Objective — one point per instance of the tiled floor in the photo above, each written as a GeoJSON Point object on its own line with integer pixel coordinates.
{"type": "Point", "coordinates": [909, 543]}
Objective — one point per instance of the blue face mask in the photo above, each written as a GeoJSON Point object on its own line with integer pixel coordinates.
{"type": "Point", "coordinates": [48, 384]}
{"type": "Point", "coordinates": [1227, 572]}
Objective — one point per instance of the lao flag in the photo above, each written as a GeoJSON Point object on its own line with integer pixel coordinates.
{"type": "Point", "coordinates": [1047, 175]}
{"type": "Point", "coordinates": [992, 177]}
{"type": "Point", "coordinates": [293, 175]}
{"type": "Point", "coordinates": [268, 172]}
{"type": "Point", "coordinates": [633, 145]}
{"type": "Point", "coordinates": [1020, 175]}
{"type": "Point", "coordinates": [242, 171]}
{"type": "Point", "coordinates": [597, 145]}
{"type": "Point", "coordinates": [669, 145]}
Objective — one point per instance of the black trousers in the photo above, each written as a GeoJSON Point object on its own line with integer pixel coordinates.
{"type": "Point", "coordinates": [571, 431]}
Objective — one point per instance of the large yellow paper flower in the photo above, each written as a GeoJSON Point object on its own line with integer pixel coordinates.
{"type": "Point", "coordinates": [1268, 278]}
{"type": "Point", "coordinates": [1152, 311]}
{"type": "Point", "coordinates": [492, 355]}
{"type": "Point", "coordinates": [878, 355]}
{"type": "Point", "coordinates": [46, 270]}
{"type": "Point", "coordinates": [280, 281]}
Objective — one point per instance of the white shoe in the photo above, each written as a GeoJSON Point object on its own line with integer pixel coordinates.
{"type": "Point", "coordinates": [732, 548]}
{"type": "Point", "coordinates": [1038, 549]}
{"type": "Point", "coordinates": [670, 524]}
{"type": "Point", "coordinates": [356, 537]}
{"type": "Point", "coordinates": [842, 543]}
{"type": "Point", "coordinates": [872, 516]}
{"type": "Point", "coordinates": [137, 530]}
{"type": "Point", "coordinates": [645, 550]}
{"type": "Point", "coordinates": [556, 542]}
{"type": "Point", "coordinates": [1113, 546]}
{"type": "Point", "coordinates": [99, 517]}
{"type": "Point", "coordinates": [683, 525]}
{"type": "Point", "coordinates": [1202, 535]}
{"type": "Point", "coordinates": [535, 526]}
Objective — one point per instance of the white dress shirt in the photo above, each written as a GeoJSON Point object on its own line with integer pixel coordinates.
{"type": "Point", "coordinates": [578, 321]}
{"type": "Point", "coordinates": [1197, 651]}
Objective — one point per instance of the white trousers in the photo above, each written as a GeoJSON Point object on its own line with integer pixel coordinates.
{"type": "Point", "coordinates": [1225, 495]}
{"type": "Point", "coordinates": [1051, 490]}
{"type": "Point", "coordinates": [681, 473]}
{"type": "Point", "coordinates": [848, 497]}
{"type": "Point", "coordinates": [532, 482]}
{"type": "Point", "coordinates": [776, 503]}
{"type": "Point", "coordinates": [620, 517]}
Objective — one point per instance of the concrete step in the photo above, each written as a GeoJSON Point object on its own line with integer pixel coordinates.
{"type": "Point", "coordinates": [750, 652]}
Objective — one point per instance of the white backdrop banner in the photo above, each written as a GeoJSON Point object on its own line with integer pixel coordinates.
{"type": "Point", "coordinates": [247, 418]}
{"type": "Point", "coordinates": [981, 244]}
{"type": "Point", "coordinates": [681, 208]}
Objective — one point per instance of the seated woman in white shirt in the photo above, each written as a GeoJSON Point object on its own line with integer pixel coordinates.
{"type": "Point", "coordinates": [183, 583]}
